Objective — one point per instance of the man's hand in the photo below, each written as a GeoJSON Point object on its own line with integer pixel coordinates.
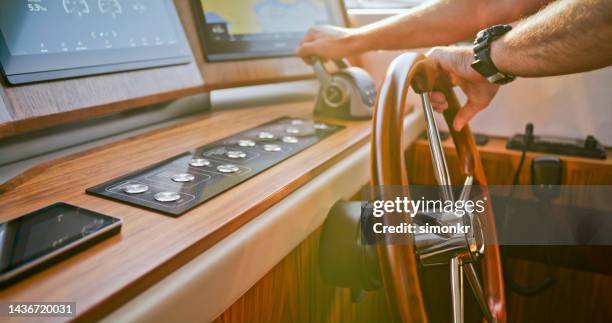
{"type": "Point", "coordinates": [456, 62]}
{"type": "Point", "coordinates": [328, 42]}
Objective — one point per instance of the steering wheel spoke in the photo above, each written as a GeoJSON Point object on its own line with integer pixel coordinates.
{"type": "Point", "coordinates": [456, 275]}
{"type": "Point", "coordinates": [437, 152]}
{"type": "Point", "coordinates": [472, 277]}
{"type": "Point", "coordinates": [459, 250]}
{"type": "Point", "coordinates": [457, 266]}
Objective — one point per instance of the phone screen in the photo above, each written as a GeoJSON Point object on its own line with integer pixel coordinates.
{"type": "Point", "coordinates": [35, 235]}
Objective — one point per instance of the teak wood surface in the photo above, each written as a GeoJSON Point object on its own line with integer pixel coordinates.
{"type": "Point", "coordinates": [502, 163]}
{"type": "Point", "coordinates": [152, 245]}
{"type": "Point", "coordinates": [42, 105]}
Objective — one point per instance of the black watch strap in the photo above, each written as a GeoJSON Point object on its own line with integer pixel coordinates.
{"type": "Point", "coordinates": [482, 54]}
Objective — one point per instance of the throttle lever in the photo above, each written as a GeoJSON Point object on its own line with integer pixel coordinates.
{"type": "Point", "coordinates": [321, 72]}
{"type": "Point", "coordinates": [349, 93]}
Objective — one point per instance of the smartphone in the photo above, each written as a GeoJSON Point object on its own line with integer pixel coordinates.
{"type": "Point", "coordinates": [41, 238]}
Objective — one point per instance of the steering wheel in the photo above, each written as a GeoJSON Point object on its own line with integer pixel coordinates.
{"type": "Point", "coordinates": [398, 263]}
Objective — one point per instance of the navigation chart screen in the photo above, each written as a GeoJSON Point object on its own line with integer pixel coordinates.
{"type": "Point", "coordinates": [237, 29]}
{"type": "Point", "coordinates": [51, 39]}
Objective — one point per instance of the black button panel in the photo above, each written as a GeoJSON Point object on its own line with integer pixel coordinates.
{"type": "Point", "coordinates": [183, 182]}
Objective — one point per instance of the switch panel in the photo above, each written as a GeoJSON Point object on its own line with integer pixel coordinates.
{"type": "Point", "coordinates": [183, 182]}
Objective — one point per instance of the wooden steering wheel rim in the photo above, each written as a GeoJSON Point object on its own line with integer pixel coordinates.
{"type": "Point", "coordinates": [398, 263]}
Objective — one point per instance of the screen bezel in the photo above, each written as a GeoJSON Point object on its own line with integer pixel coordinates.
{"type": "Point", "coordinates": [115, 224]}
{"type": "Point", "coordinates": [338, 15]}
{"type": "Point", "coordinates": [23, 69]}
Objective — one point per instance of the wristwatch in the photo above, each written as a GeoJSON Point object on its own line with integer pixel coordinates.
{"type": "Point", "coordinates": [482, 54]}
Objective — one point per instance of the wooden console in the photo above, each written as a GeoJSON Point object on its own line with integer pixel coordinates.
{"type": "Point", "coordinates": [35, 106]}
{"type": "Point", "coordinates": [152, 245]}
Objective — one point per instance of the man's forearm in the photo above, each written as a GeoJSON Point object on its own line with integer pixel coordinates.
{"type": "Point", "coordinates": [568, 36]}
{"type": "Point", "coordinates": [441, 22]}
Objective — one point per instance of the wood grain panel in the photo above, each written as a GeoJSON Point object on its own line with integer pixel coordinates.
{"type": "Point", "coordinates": [576, 297]}
{"type": "Point", "coordinates": [294, 292]}
{"type": "Point", "coordinates": [152, 245]}
{"type": "Point", "coordinates": [41, 105]}
{"type": "Point", "coordinates": [501, 163]}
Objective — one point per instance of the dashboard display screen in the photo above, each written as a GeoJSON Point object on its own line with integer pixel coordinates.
{"type": "Point", "coordinates": [238, 29]}
{"type": "Point", "coordinates": [48, 39]}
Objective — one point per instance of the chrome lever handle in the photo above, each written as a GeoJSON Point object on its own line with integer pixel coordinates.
{"type": "Point", "coordinates": [321, 72]}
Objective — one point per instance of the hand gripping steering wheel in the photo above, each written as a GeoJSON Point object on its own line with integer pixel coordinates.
{"type": "Point", "coordinates": [398, 263]}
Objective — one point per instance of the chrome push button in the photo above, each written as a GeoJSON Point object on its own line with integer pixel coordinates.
{"type": "Point", "coordinates": [246, 143]}
{"type": "Point", "coordinates": [228, 168]}
{"type": "Point", "coordinates": [321, 126]}
{"type": "Point", "coordinates": [135, 188]}
{"type": "Point", "coordinates": [235, 154]}
{"type": "Point", "coordinates": [167, 197]}
{"type": "Point", "coordinates": [297, 122]}
{"type": "Point", "coordinates": [183, 177]}
{"type": "Point", "coordinates": [265, 135]}
{"type": "Point", "coordinates": [199, 162]}
{"type": "Point", "coordinates": [290, 140]}
{"type": "Point", "coordinates": [292, 130]}
{"type": "Point", "coordinates": [272, 147]}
